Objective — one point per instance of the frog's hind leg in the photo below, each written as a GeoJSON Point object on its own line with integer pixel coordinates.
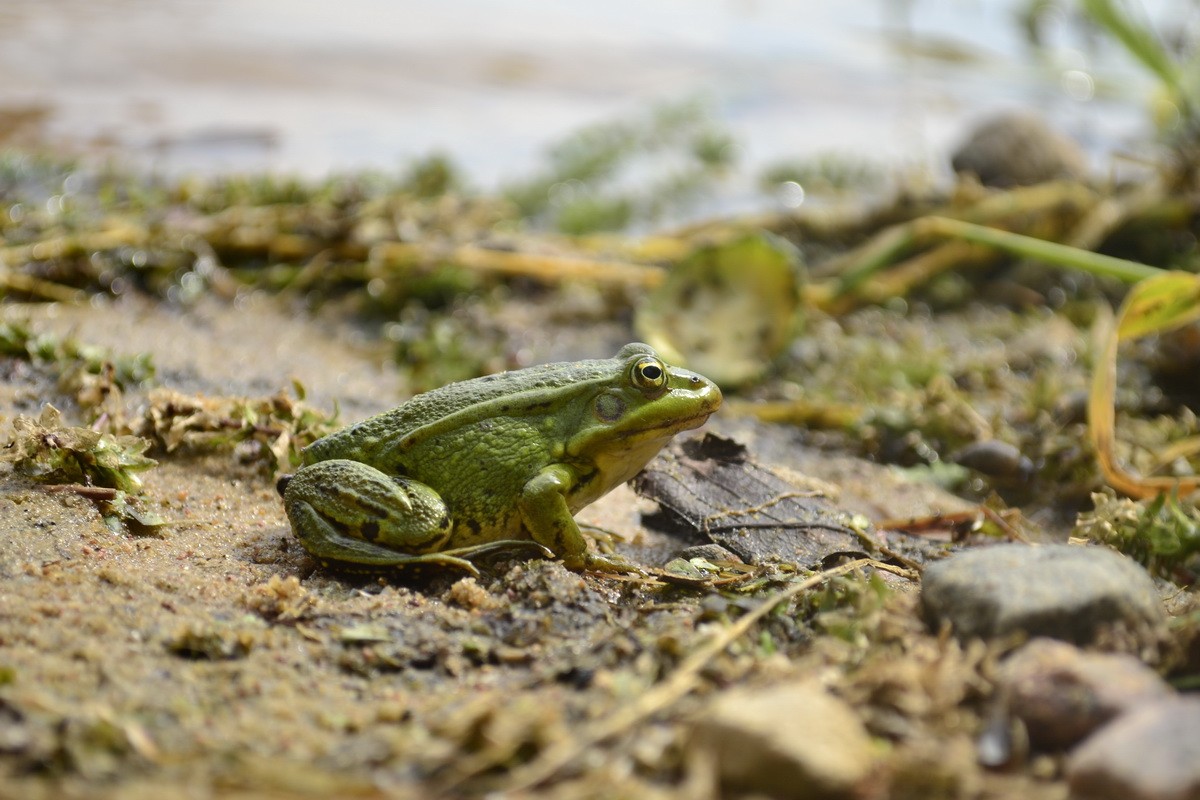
{"type": "Point", "coordinates": [331, 548]}
{"type": "Point", "coordinates": [349, 512]}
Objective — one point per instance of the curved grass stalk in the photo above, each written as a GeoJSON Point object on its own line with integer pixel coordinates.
{"type": "Point", "coordinates": [1161, 303]}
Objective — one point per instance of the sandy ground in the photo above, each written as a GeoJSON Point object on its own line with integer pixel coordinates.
{"type": "Point", "coordinates": [216, 658]}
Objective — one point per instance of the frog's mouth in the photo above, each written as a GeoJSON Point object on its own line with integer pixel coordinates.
{"type": "Point", "coordinates": [705, 399]}
{"type": "Point", "coordinates": [650, 426]}
{"type": "Point", "coordinates": [675, 425]}
{"type": "Point", "coordinates": [670, 426]}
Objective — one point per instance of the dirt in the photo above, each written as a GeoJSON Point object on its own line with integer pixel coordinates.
{"type": "Point", "coordinates": [215, 658]}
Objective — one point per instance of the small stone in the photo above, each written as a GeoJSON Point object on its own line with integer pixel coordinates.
{"type": "Point", "coordinates": [712, 553]}
{"type": "Point", "coordinates": [1061, 591]}
{"type": "Point", "coordinates": [1152, 753]}
{"type": "Point", "coordinates": [997, 460]}
{"type": "Point", "coordinates": [1063, 694]}
{"type": "Point", "coordinates": [1019, 149]}
{"type": "Point", "coordinates": [794, 741]}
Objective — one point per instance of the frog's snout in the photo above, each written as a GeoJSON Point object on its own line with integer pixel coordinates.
{"type": "Point", "coordinates": [708, 392]}
{"type": "Point", "coordinates": [282, 484]}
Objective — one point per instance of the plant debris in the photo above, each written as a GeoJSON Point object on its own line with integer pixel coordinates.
{"type": "Point", "coordinates": [727, 310]}
{"type": "Point", "coordinates": [267, 430]}
{"type": "Point", "coordinates": [49, 451]}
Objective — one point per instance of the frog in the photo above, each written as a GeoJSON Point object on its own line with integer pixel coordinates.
{"type": "Point", "coordinates": [504, 460]}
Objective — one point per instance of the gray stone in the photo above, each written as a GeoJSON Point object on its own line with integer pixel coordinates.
{"type": "Point", "coordinates": [1061, 591]}
{"type": "Point", "coordinates": [793, 741]}
{"type": "Point", "coordinates": [1152, 753]}
{"type": "Point", "coordinates": [1063, 694]}
{"type": "Point", "coordinates": [1019, 149]}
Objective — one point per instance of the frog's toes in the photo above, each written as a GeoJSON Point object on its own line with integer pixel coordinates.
{"type": "Point", "coordinates": [487, 548]}
{"type": "Point", "coordinates": [601, 562]}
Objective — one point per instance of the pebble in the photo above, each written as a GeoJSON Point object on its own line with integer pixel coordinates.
{"type": "Point", "coordinates": [996, 459]}
{"type": "Point", "coordinates": [1063, 694]}
{"type": "Point", "coordinates": [1062, 591]}
{"type": "Point", "coordinates": [1019, 149]}
{"type": "Point", "coordinates": [793, 741]}
{"type": "Point", "coordinates": [1152, 753]}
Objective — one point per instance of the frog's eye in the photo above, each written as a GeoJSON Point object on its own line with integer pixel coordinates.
{"type": "Point", "coordinates": [649, 374]}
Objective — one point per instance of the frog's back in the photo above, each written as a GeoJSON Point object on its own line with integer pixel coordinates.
{"type": "Point", "coordinates": [518, 392]}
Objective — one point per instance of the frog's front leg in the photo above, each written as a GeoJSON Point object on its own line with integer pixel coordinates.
{"type": "Point", "coordinates": [351, 513]}
{"type": "Point", "coordinates": [544, 510]}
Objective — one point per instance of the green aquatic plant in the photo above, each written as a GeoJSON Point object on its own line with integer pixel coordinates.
{"type": "Point", "coordinates": [676, 151]}
{"type": "Point", "coordinates": [824, 173]}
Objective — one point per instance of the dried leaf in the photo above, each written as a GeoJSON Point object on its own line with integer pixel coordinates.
{"type": "Point", "coordinates": [726, 310]}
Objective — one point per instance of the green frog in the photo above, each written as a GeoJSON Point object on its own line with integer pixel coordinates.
{"type": "Point", "coordinates": [492, 462]}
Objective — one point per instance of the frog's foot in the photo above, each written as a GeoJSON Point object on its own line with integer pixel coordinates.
{"type": "Point", "coordinates": [605, 562]}
{"type": "Point", "coordinates": [352, 555]}
{"type": "Point", "coordinates": [488, 548]}
{"type": "Point", "coordinates": [361, 556]}
{"type": "Point", "coordinates": [462, 557]}
{"type": "Point", "coordinates": [438, 560]}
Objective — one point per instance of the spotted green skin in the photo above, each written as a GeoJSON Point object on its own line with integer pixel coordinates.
{"type": "Point", "coordinates": [492, 462]}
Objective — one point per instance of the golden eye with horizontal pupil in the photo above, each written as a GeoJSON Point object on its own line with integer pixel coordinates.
{"type": "Point", "coordinates": [649, 375]}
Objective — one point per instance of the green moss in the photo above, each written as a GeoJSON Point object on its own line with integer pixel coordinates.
{"type": "Point", "coordinates": [1163, 534]}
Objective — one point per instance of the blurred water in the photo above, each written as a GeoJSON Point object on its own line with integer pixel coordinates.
{"type": "Point", "coordinates": [309, 87]}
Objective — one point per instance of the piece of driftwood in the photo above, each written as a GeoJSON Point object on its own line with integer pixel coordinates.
{"type": "Point", "coordinates": [709, 488]}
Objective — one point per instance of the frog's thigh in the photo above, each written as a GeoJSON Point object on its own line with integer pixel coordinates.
{"type": "Point", "coordinates": [350, 511]}
{"type": "Point", "coordinates": [545, 513]}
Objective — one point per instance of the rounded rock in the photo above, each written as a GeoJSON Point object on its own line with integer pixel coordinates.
{"type": "Point", "coordinates": [794, 741]}
{"type": "Point", "coordinates": [1063, 694]}
{"type": "Point", "coordinates": [1019, 149]}
{"type": "Point", "coordinates": [1060, 591]}
{"type": "Point", "coordinates": [1152, 753]}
